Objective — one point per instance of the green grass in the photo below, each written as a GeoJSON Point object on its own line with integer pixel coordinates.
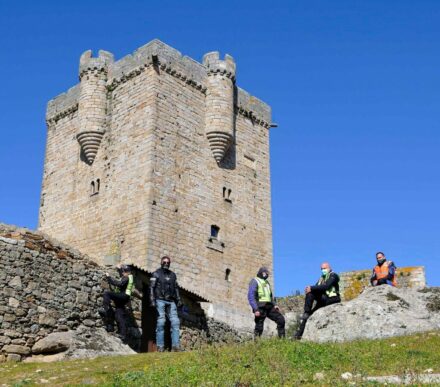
{"type": "Point", "coordinates": [265, 363]}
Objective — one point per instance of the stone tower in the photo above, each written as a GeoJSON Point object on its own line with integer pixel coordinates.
{"type": "Point", "coordinates": [158, 154]}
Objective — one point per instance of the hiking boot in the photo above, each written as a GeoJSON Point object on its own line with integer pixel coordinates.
{"type": "Point", "coordinates": [109, 328]}
{"type": "Point", "coordinates": [175, 349]}
{"type": "Point", "coordinates": [160, 349]}
{"type": "Point", "coordinates": [123, 339]}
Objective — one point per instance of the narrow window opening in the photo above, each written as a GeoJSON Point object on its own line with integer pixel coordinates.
{"type": "Point", "coordinates": [92, 188]}
{"type": "Point", "coordinates": [227, 275]}
{"type": "Point", "coordinates": [98, 185]}
{"type": "Point", "coordinates": [214, 231]}
{"type": "Point", "coordinates": [227, 194]}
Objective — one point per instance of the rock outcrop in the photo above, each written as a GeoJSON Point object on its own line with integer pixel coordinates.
{"type": "Point", "coordinates": [377, 313]}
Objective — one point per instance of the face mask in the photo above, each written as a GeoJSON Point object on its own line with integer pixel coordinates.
{"type": "Point", "coordinates": [381, 261]}
{"type": "Point", "coordinates": [265, 275]}
{"type": "Point", "coordinates": [324, 272]}
{"type": "Point", "coordinates": [165, 265]}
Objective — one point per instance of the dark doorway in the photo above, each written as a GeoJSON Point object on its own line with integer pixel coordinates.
{"type": "Point", "coordinates": [149, 321]}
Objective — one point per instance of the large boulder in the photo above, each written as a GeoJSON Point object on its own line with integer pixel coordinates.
{"type": "Point", "coordinates": [53, 343]}
{"type": "Point", "coordinates": [93, 342]}
{"type": "Point", "coordinates": [378, 312]}
{"type": "Point", "coordinates": [83, 343]}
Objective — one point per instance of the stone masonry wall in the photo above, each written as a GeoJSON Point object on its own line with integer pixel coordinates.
{"type": "Point", "coordinates": [46, 287]}
{"type": "Point", "coordinates": [189, 199]}
{"type": "Point", "coordinates": [157, 185]}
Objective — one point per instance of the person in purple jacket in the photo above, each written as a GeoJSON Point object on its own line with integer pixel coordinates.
{"type": "Point", "coordinates": [262, 303]}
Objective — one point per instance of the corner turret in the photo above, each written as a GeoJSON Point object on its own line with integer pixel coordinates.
{"type": "Point", "coordinates": [92, 104]}
{"type": "Point", "coordinates": [219, 115]}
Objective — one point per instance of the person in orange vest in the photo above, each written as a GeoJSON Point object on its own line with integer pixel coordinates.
{"type": "Point", "coordinates": [384, 273]}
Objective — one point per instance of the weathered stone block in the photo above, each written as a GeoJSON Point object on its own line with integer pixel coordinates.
{"type": "Point", "coordinates": [13, 302]}
{"type": "Point", "coordinates": [82, 298]}
{"type": "Point", "coordinates": [19, 349]}
{"type": "Point", "coordinates": [53, 343]}
{"type": "Point", "coordinates": [47, 320]}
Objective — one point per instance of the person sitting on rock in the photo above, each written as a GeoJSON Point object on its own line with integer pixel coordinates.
{"type": "Point", "coordinates": [325, 292]}
{"type": "Point", "coordinates": [262, 303]}
{"type": "Point", "coordinates": [120, 296]}
{"type": "Point", "coordinates": [384, 273]}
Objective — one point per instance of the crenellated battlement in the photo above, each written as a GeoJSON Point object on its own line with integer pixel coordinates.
{"type": "Point", "coordinates": [170, 60]}
{"type": "Point", "coordinates": [88, 63]}
{"type": "Point", "coordinates": [215, 65]}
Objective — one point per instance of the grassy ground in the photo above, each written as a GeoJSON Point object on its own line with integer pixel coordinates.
{"type": "Point", "coordinates": [265, 363]}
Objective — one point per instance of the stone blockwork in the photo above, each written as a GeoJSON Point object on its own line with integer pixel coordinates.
{"type": "Point", "coordinates": [182, 169]}
{"type": "Point", "coordinates": [46, 287]}
{"type": "Point", "coordinates": [354, 282]}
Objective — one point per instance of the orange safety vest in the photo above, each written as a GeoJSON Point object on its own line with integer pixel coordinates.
{"type": "Point", "coordinates": [382, 272]}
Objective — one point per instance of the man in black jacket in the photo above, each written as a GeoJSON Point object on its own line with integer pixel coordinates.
{"type": "Point", "coordinates": [164, 295]}
{"type": "Point", "coordinates": [120, 295]}
{"type": "Point", "coordinates": [325, 292]}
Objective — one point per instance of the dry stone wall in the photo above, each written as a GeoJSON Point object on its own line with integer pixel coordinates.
{"type": "Point", "coordinates": [48, 287]}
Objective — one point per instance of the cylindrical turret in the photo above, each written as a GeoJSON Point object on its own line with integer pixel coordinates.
{"type": "Point", "coordinates": [92, 105]}
{"type": "Point", "coordinates": [219, 115]}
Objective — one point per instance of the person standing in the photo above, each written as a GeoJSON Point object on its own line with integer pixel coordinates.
{"type": "Point", "coordinates": [384, 273]}
{"type": "Point", "coordinates": [325, 292]}
{"type": "Point", "coordinates": [262, 303]}
{"type": "Point", "coordinates": [164, 295]}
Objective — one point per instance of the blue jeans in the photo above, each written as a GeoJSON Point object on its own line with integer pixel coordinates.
{"type": "Point", "coordinates": [170, 309]}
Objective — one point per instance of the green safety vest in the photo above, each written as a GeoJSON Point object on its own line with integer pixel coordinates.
{"type": "Point", "coordinates": [330, 292]}
{"type": "Point", "coordinates": [264, 292]}
{"type": "Point", "coordinates": [129, 287]}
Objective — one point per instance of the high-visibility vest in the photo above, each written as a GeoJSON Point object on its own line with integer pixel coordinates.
{"type": "Point", "coordinates": [264, 292]}
{"type": "Point", "coordinates": [331, 292]}
{"type": "Point", "coordinates": [130, 285]}
{"type": "Point", "coordinates": [382, 272]}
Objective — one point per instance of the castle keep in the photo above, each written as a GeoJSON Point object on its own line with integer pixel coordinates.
{"type": "Point", "coordinates": [156, 154]}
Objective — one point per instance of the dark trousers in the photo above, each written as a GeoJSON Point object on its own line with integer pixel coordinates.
{"type": "Point", "coordinates": [268, 310]}
{"type": "Point", "coordinates": [120, 300]}
{"type": "Point", "coordinates": [321, 300]}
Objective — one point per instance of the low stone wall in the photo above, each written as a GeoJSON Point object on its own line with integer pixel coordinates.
{"type": "Point", "coordinates": [46, 286]}
{"type": "Point", "coordinates": [354, 282]}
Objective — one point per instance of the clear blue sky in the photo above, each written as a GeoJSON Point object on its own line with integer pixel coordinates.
{"type": "Point", "coordinates": [354, 87]}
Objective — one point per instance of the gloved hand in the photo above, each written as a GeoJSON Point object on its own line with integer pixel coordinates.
{"type": "Point", "coordinates": [179, 303]}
